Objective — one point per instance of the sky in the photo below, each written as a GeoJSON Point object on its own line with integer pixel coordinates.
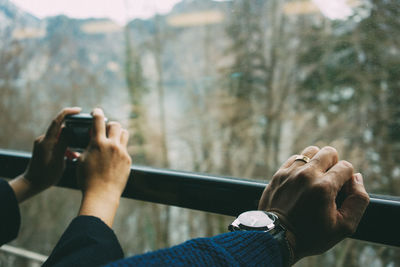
{"type": "Point", "coordinates": [334, 9]}
{"type": "Point", "coordinates": [118, 10]}
{"type": "Point", "coordinates": [124, 10]}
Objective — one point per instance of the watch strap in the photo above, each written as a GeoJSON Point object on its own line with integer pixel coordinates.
{"type": "Point", "coordinates": [285, 248]}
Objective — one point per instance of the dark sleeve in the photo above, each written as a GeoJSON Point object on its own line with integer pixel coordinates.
{"type": "Point", "coordinates": [241, 248]}
{"type": "Point", "coordinates": [88, 241]}
{"type": "Point", "coordinates": [10, 217]}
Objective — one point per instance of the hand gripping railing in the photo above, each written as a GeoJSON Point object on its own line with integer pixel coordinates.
{"type": "Point", "coordinates": [223, 195]}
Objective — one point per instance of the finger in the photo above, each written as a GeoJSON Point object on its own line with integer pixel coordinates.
{"type": "Point", "coordinates": [99, 127]}
{"type": "Point", "coordinates": [354, 205]}
{"type": "Point", "coordinates": [114, 130]}
{"type": "Point", "coordinates": [325, 159]}
{"type": "Point", "coordinates": [308, 152]}
{"type": "Point", "coordinates": [288, 162]}
{"type": "Point", "coordinates": [55, 126]}
{"type": "Point", "coordinates": [339, 174]}
{"type": "Point", "coordinates": [124, 137]}
{"type": "Point", "coordinates": [39, 139]}
{"type": "Point", "coordinates": [61, 146]}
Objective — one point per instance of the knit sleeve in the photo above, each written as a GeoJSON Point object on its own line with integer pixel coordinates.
{"type": "Point", "coordinates": [10, 217]}
{"type": "Point", "coordinates": [247, 248]}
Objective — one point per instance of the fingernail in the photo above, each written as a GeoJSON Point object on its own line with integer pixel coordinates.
{"type": "Point", "coordinates": [358, 178]}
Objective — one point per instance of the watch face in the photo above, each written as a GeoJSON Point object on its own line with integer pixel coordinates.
{"type": "Point", "coordinates": [256, 219]}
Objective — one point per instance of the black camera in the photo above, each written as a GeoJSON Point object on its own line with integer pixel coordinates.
{"type": "Point", "coordinates": [78, 129]}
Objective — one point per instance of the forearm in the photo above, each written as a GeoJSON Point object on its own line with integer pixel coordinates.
{"type": "Point", "coordinates": [244, 248]}
{"type": "Point", "coordinates": [101, 205]}
{"type": "Point", "coordinates": [23, 189]}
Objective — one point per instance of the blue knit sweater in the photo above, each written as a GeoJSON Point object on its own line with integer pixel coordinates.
{"type": "Point", "coordinates": [88, 241]}
{"type": "Point", "coordinates": [231, 249]}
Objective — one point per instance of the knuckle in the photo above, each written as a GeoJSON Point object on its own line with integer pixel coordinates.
{"type": "Point", "coordinates": [114, 124]}
{"type": "Point", "coordinates": [363, 197]}
{"type": "Point", "coordinates": [321, 191]}
{"type": "Point", "coordinates": [331, 151]}
{"type": "Point", "coordinates": [305, 174]}
{"type": "Point", "coordinates": [334, 174]}
{"type": "Point", "coordinates": [281, 173]}
{"type": "Point", "coordinates": [128, 159]}
{"type": "Point", "coordinates": [114, 147]}
{"type": "Point", "coordinates": [346, 165]}
{"type": "Point", "coordinates": [313, 148]}
{"type": "Point", "coordinates": [315, 161]}
{"type": "Point", "coordinates": [280, 176]}
{"type": "Point", "coordinates": [38, 140]}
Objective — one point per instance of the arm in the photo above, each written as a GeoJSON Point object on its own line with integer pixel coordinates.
{"type": "Point", "coordinates": [103, 171]}
{"type": "Point", "coordinates": [320, 201]}
{"type": "Point", "coordinates": [247, 248]}
{"type": "Point", "coordinates": [44, 170]}
{"type": "Point", "coordinates": [304, 197]}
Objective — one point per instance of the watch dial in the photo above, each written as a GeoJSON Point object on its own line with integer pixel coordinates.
{"type": "Point", "coordinates": [255, 219]}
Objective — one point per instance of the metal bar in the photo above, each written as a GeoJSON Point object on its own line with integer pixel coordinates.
{"type": "Point", "coordinates": [223, 195]}
{"type": "Point", "coordinates": [23, 253]}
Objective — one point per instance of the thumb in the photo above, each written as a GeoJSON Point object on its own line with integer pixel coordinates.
{"type": "Point", "coordinates": [354, 204]}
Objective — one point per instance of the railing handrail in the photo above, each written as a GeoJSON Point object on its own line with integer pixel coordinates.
{"type": "Point", "coordinates": [223, 195]}
{"type": "Point", "coordinates": [24, 253]}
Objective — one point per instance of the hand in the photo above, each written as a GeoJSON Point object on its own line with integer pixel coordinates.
{"type": "Point", "coordinates": [47, 163]}
{"type": "Point", "coordinates": [303, 195]}
{"type": "Point", "coordinates": [103, 169]}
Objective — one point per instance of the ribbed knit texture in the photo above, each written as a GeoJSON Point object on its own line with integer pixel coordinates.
{"type": "Point", "coordinates": [249, 248]}
{"type": "Point", "coordinates": [10, 219]}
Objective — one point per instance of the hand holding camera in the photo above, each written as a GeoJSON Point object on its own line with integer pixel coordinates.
{"type": "Point", "coordinates": [47, 163]}
{"type": "Point", "coordinates": [103, 169]}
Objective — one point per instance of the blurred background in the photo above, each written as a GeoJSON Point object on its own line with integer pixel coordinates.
{"type": "Point", "coordinates": [222, 87]}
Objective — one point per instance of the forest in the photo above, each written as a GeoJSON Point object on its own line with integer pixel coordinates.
{"type": "Point", "coordinates": [228, 88]}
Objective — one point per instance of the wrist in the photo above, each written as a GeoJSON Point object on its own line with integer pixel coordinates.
{"type": "Point", "coordinates": [284, 246]}
{"type": "Point", "coordinates": [285, 239]}
{"type": "Point", "coordinates": [100, 204]}
{"type": "Point", "coordinates": [269, 222]}
{"type": "Point", "coordinates": [23, 188]}
{"type": "Point", "coordinates": [290, 237]}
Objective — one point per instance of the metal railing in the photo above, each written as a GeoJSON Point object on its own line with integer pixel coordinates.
{"type": "Point", "coordinates": [35, 258]}
{"type": "Point", "coordinates": [223, 195]}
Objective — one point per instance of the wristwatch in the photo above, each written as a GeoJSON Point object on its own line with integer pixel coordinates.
{"type": "Point", "coordinates": [258, 220]}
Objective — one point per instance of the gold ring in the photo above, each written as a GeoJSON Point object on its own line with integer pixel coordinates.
{"type": "Point", "coordinates": [302, 158]}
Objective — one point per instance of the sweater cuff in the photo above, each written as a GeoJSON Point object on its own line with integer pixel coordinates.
{"type": "Point", "coordinates": [88, 241]}
{"type": "Point", "coordinates": [11, 220]}
{"type": "Point", "coordinates": [257, 248]}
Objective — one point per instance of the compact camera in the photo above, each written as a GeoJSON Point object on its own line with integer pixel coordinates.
{"type": "Point", "coordinates": [78, 130]}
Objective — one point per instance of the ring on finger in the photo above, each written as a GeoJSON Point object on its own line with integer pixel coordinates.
{"type": "Point", "coordinates": [302, 158]}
